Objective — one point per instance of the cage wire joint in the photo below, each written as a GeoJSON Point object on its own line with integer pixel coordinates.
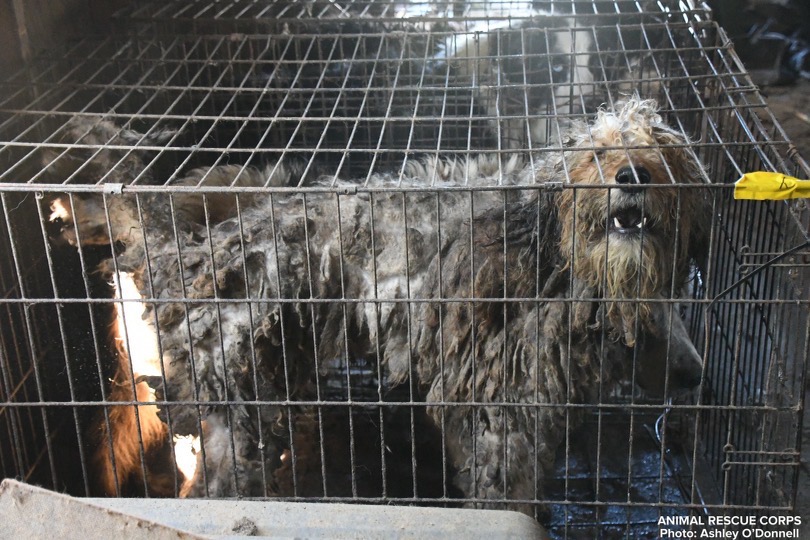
{"type": "Point", "coordinates": [113, 188]}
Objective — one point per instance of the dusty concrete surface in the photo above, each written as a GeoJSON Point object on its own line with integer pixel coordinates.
{"type": "Point", "coordinates": [35, 513]}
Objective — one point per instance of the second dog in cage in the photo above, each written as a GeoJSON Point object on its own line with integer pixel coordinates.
{"type": "Point", "coordinates": [503, 307]}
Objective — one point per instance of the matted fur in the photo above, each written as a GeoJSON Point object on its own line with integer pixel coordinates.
{"type": "Point", "coordinates": [536, 315]}
{"type": "Point", "coordinates": [632, 135]}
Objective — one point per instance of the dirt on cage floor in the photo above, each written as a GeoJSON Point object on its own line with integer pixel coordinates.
{"type": "Point", "coordinates": [790, 105]}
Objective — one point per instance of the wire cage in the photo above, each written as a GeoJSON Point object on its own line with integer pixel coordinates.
{"type": "Point", "coordinates": [116, 144]}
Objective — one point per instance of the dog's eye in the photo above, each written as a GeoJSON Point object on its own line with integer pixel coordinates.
{"type": "Point", "coordinates": [599, 153]}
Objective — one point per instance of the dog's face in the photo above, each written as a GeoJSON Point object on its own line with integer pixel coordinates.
{"type": "Point", "coordinates": [628, 232]}
{"type": "Point", "coordinates": [88, 220]}
{"type": "Point", "coordinates": [92, 220]}
{"type": "Point", "coordinates": [97, 151]}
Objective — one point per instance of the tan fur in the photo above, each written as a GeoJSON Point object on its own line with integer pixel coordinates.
{"type": "Point", "coordinates": [122, 468]}
{"type": "Point", "coordinates": [116, 470]}
{"type": "Point", "coordinates": [628, 269]}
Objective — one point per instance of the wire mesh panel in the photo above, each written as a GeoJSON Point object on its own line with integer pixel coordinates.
{"type": "Point", "coordinates": [416, 253]}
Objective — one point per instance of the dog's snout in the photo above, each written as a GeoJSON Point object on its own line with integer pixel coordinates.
{"type": "Point", "coordinates": [629, 176]}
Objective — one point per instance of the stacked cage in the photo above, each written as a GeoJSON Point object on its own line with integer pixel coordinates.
{"type": "Point", "coordinates": [229, 231]}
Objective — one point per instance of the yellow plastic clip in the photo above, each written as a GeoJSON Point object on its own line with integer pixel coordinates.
{"type": "Point", "coordinates": [769, 186]}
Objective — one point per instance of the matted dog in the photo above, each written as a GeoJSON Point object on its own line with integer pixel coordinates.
{"type": "Point", "coordinates": [502, 306]}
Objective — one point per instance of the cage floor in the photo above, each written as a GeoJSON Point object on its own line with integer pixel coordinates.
{"type": "Point", "coordinates": [614, 460]}
{"type": "Point", "coordinates": [596, 468]}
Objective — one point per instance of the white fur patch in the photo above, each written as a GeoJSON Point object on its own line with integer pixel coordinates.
{"type": "Point", "coordinates": [59, 211]}
{"type": "Point", "coordinates": [136, 335]}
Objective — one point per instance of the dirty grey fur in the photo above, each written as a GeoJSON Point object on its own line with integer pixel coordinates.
{"type": "Point", "coordinates": [265, 284]}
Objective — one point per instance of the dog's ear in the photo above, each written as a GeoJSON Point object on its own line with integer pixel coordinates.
{"type": "Point", "coordinates": [99, 152]}
{"type": "Point", "coordinates": [665, 346]}
{"type": "Point", "coordinates": [686, 169]}
{"type": "Point", "coordinates": [700, 229]}
{"type": "Point", "coordinates": [575, 135]}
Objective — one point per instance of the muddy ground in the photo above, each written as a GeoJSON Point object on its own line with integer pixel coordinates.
{"type": "Point", "coordinates": [791, 107]}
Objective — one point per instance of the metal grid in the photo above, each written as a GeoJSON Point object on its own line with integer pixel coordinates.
{"type": "Point", "coordinates": [253, 15]}
{"type": "Point", "coordinates": [362, 97]}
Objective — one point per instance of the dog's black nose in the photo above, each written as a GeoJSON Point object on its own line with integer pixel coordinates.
{"type": "Point", "coordinates": [626, 176]}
